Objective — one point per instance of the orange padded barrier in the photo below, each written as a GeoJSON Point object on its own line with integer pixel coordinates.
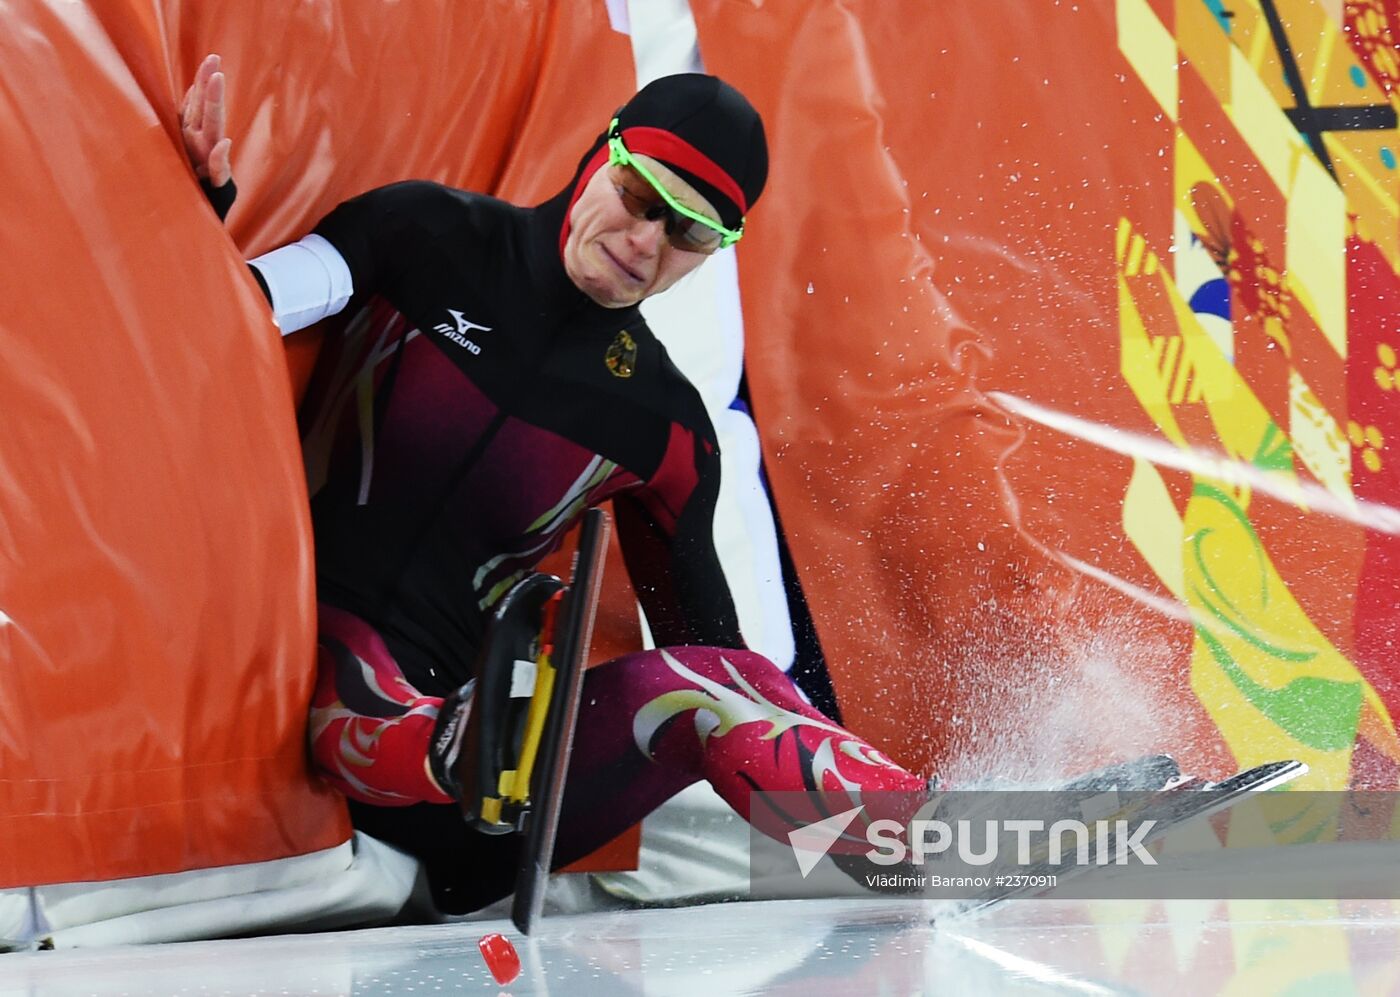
{"type": "Point", "coordinates": [156, 590]}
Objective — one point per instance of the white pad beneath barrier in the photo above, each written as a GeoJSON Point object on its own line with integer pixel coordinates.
{"type": "Point", "coordinates": [359, 882]}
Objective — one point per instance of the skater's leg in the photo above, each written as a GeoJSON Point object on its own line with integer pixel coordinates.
{"type": "Point", "coordinates": [650, 724]}
{"type": "Point", "coordinates": [654, 722]}
{"type": "Point", "coordinates": [370, 727]}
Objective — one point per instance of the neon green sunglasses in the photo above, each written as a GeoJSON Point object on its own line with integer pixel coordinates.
{"type": "Point", "coordinates": [686, 228]}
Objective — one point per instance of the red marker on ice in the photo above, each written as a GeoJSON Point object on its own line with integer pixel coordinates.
{"type": "Point", "coordinates": [501, 957]}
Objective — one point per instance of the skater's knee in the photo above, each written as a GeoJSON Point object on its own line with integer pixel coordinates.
{"type": "Point", "coordinates": [721, 660]}
{"type": "Point", "coordinates": [639, 677]}
{"type": "Point", "coordinates": [356, 667]}
{"type": "Point", "coordinates": [732, 666]}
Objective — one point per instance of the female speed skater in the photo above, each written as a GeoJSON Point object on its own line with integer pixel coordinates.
{"type": "Point", "coordinates": [494, 379]}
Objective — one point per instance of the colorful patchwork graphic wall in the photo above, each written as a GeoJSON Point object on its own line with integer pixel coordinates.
{"type": "Point", "coordinates": [1264, 344]}
{"type": "Point", "coordinates": [1109, 356]}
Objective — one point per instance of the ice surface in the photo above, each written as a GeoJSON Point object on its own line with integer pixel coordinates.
{"type": "Point", "coordinates": [807, 948]}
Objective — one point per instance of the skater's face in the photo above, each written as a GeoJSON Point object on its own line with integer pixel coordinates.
{"type": "Point", "coordinates": [618, 250]}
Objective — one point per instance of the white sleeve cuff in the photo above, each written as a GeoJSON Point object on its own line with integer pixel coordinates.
{"type": "Point", "coordinates": [308, 280]}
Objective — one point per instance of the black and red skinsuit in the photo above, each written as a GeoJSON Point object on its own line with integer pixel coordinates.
{"type": "Point", "coordinates": [473, 405]}
{"type": "Point", "coordinates": [502, 403]}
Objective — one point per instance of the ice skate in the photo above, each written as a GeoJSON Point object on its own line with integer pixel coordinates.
{"type": "Point", "coordinates": [502, 742]}
{"type": "Point", "coordinates": [489, 731]}
{"type": "Point", "coordinates": [1160, 809]}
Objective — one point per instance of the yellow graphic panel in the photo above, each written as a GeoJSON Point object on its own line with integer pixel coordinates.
{"type": "Point", "coordinates": [1151, 522]}
{"type": "Point", "coordinates": [1264, 127]}
{"type": "Point", "coordinates": [1318, 440]}
{"type": "Point", "coordinates": [1317, 251]}
{"type": "Point", "coordinates": [1151, 49]}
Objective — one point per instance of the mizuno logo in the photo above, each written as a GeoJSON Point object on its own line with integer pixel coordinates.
{"type": "Point", "coordinates": [459, 333]}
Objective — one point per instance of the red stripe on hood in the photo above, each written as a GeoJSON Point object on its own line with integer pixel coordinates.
{"type": "Point", "coordinates": [670, 148]}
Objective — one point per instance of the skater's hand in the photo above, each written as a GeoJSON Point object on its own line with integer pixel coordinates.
{"type": "Point", "coordinates": [202, 124]}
